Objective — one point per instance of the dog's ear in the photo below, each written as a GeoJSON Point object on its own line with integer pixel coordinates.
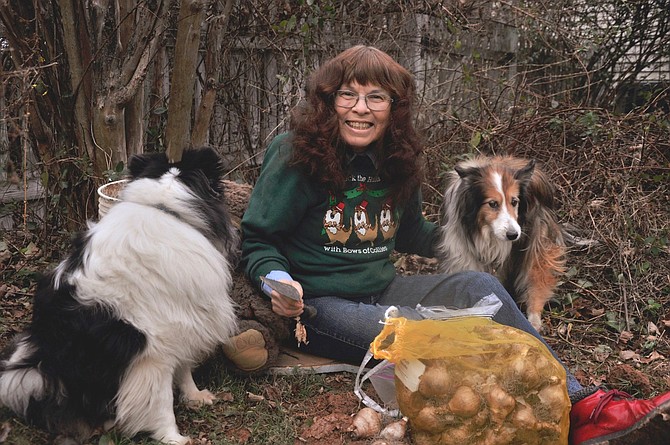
{"type": "Point", "coordinates": [525, 173]}
{"type": "Point", "coordinates": [540, 188]}
{"type": "Point", "coordinates": [209, 161]}
{"type": "Point", "coordinates": [465, 172]}
{"type": "Point", "coordinates": [137, 164]}
{"type": "Point", "coordinates": [151, 165]}
{"type": "Point", "coordinates": [200, 166]}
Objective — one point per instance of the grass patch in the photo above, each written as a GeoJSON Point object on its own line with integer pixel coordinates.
{"type": "Point", "coordinates": [264, 409]}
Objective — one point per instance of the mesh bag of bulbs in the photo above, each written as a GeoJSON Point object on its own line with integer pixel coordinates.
{"type": "Point", "coordinates": [473, 381]}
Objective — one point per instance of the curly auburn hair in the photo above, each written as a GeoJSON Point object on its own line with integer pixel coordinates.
{"type": "Point", "coordinates": [318, 148]}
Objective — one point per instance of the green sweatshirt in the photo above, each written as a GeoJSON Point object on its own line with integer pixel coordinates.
{"type": "Point", "coordinates": [332, 242]}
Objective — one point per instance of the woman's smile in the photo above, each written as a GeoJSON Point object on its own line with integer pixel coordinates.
{"type": "Point", "coordinates": [357, 125]}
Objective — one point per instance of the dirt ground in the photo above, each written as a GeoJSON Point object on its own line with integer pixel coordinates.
{"type": "Point", "coordinates": [595, 355]}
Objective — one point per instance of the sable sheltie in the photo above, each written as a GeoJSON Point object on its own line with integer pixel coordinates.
{"type": "Point", "coordinates": [498, 217]}
{"type": "Point", "coordinates": [138, 302]}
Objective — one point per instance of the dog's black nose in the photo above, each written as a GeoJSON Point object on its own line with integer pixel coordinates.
{"type": "Point", "coordinates": [512, 236]}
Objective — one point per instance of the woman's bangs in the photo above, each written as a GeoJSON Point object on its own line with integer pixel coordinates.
{"type": "Point", "coordinates": [368, 70]}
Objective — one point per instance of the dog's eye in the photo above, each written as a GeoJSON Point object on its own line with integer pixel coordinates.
{"type": "Point", "coordinates": [514, 202]}
{"type": "Point", "coordinates": [494, 204]}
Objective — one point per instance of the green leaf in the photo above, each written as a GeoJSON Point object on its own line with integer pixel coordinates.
{"type": "Point", "coordinates": [614, 321]}
{"type": "Point", "coordinates": [584, 284]}
{"type": "Point", "coordinates": [572, 272]}
{"type": "Point", "coordinates": [475, 139]}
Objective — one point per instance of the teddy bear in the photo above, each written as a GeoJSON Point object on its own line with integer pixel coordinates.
{"type": "Point", "coordinates": [261, 330]}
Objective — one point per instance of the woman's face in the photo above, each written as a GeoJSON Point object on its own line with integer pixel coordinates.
{"type": "Point", "coordinates": [359, 125]}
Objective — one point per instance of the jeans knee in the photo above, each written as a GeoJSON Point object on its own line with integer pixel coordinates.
{"type": "Point", "coordinates": [480, 284]}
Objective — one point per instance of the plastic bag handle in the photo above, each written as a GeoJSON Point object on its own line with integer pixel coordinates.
{"type": "Point", "coordinates": [362, 396]}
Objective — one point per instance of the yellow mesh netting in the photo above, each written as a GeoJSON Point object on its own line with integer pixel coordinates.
{"type": "Point", "coordinates": [488, 362]}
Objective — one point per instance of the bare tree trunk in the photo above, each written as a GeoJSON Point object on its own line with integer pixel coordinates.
{"type": "Point", "coordinates": [213, 57]}
{"type": "Point", "coordinates": [191, 13]}
{"type": "Point", "coordinates": [134, 112]}
{"type": "Point", "coordinates": [117, 120]}
{"type": "Point", "coordinates": [77, 51]}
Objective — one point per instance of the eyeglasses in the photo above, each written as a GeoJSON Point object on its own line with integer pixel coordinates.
{"type": "Point", "coordinates": [374, 101]}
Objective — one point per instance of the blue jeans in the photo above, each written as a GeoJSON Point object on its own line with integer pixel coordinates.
{"type": "Point", "coordinates": [343, 329]}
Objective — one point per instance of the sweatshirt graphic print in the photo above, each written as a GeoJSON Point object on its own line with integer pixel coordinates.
{"type": "Point", "coordinates": [359, 219]}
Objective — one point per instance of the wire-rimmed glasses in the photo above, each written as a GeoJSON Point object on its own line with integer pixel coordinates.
{"type": "Point", "coordinates": [374, 101]}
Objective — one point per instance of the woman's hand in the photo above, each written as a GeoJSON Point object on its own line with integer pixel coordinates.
{"type": "Point", "coordinates": [285, 306]}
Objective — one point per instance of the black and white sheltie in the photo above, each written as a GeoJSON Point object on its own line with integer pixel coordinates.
{"type": "Point", "coordinates": [140, 300]}
{"type": "Point", "coordinates": [498, 217]}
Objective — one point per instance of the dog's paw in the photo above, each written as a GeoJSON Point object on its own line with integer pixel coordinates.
{"type": "Point", "coordinates": [536, 321]}
{"type": "Point", "coordinates": [174, 439]}
{"type": "Point", "coordinates": [180, 440]}
{"type": "Point", "coordinates": [200, 397]}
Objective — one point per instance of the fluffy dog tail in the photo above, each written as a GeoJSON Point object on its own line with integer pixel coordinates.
{"type": "Point", "coordinates": [37, 397]}
{"type": "Point", "coordinates": [20, 380]}
{"type": "Point", "coordinates": [63, 372]}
